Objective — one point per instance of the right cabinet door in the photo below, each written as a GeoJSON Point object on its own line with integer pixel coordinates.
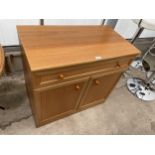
{"type": "Point", "coordinates": [98, 89]}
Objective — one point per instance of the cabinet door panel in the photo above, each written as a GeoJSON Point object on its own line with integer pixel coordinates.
{"type": "Point", "coordinates": [60, 100]}
{"type": "Point", "coordinates": [99, 88]}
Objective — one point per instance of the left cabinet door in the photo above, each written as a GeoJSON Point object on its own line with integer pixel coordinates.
{"type": "Point", "coordinates": [57, 101]}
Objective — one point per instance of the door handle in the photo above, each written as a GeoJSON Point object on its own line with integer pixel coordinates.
{"type": "Point", "coordinates": [61, 76]}
{"type": "Point", "coordinates": [97, 82]}
{"type": "Point", "coordinates": [77, 87]}
{"type": "Point", "coordinates": [118, 64]}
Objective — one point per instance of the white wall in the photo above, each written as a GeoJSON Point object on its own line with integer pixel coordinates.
{"type": "Point", "coordinates": [73, 21]}
{"type": "Point", "coordinates": [127, 28]}
{"type": "Point", "coordinates": [8, 32]}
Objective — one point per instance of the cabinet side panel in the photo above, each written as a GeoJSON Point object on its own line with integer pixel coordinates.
{"type": "Point", "coordinates": [29, 86]}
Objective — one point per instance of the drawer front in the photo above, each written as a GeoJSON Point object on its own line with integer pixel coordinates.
{"type": "Point", "coordinates": [46, 78]}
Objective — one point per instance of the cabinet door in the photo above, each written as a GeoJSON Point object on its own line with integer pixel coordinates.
{"type": "Point", "coordinates": [98, 89]}
{"type": "Point", "coordinates": [60, 100]}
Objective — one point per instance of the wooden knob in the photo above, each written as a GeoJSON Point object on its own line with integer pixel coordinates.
{"type": "Point", "coordinates": [61, 76]}
{"type": "Point", "coordinates": [97, 82]}
{"type": "Point", "coordinates": [77, 87]}
{"type": "Point", "coordinates": [118, 64]}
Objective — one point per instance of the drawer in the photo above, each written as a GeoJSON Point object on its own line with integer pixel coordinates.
{"type": "Point", "coordinates": [46, 78]}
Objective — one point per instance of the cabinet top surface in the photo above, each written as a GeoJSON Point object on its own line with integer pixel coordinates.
{"type": "Point", "coordinates": [1, 60]}
{"type": "Point", "coordinates": [57, 46]}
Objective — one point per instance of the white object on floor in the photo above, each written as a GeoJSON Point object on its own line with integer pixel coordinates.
{"type": "Point", "coordinates": [140, 89]}
{"type": "Point", "coordinates": [146, 95]}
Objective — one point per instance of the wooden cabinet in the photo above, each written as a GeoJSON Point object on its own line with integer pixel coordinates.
{"type": "Point", "coordinates": [99, 88]}
{"type": "Point", "coordinates": [71, 68]}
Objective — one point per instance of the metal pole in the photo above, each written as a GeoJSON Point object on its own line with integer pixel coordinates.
{"type": "Point", "coordinates": [112, 22]}
{"type": "Point", "coordinates": [137, 34]}
{"type": "Point", "coordinates": [41, 21]}
{"type": "Point", "coordinates": [103, 22]}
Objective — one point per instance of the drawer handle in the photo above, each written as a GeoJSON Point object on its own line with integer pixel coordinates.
{"type": "Point", "coordinates": [61, 76]}
{"type": "Point", "coordinates": [97, 82]}
{"type": "Point", "coordinates": [77, 87]}
{"type": "Point", "coordinates": [118, 64]}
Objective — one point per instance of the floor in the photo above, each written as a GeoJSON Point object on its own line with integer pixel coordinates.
{"type": "Point", "coordinates": [121, 114]}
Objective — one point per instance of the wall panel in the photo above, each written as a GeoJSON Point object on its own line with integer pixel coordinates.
{"type": "Point", "coordinates": [8, 32]}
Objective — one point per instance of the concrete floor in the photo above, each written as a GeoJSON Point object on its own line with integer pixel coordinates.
{"type": "Point", "coordinates": [122, 113]}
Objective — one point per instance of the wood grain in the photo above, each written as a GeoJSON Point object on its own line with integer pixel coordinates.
{"type": "Point", "coordinates": [2, 60]}
{"type": "Point", "coordinates": [99, 88]}
{"type": "Point", "coordinates": [55, 101]}
{"type": "Point", "coordinates": [45, 78]}
{"type": "Point", "coordinates": [49, 47]}
{"type": "Point", "coordinates": [71, 68]}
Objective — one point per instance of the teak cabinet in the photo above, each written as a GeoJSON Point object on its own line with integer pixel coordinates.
{"type": "Point", "coordinates": [70, 68]}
